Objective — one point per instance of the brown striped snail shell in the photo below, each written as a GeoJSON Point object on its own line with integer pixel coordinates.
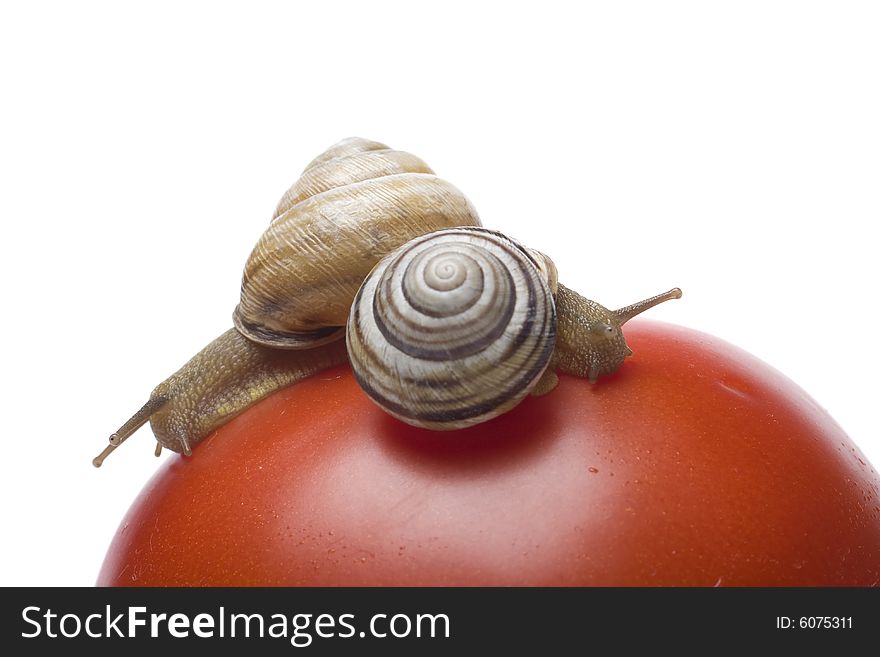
{"type": "Point", "coordinates": [453, 328]}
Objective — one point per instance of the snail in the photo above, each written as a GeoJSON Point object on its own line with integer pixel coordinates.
{"type": "Point", "coordinates": [370, 245]}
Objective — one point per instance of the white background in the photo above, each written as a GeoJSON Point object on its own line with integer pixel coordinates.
{"type": "Point", "coordinates": [732, 149]}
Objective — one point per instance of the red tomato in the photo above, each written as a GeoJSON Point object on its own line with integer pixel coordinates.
{"type": "Point", "coordinates": [695, 464]}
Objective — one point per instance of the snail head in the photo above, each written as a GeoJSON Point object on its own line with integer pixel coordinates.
{"type": "Point", "coordinates": [590, 341]}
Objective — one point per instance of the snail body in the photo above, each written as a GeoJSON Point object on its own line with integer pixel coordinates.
{"type": "Point", "coordinates": [371, 239]}
{"type": "Point", "coordinates": [219, 382]}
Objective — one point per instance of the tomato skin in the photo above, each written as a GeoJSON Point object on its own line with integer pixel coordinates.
{"type": "Point", "coordinates": [694, 464]}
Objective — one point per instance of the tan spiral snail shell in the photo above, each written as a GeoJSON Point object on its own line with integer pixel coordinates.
{"type": "Point", "coordinates": [353, 205]}
{"type": "Point", "coordinates": [349, 208]}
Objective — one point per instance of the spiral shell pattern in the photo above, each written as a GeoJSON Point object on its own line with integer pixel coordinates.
{"type": "Point", "coordinates": [452, 329]}
{"type": "Point", "coordinates": [352, 205]}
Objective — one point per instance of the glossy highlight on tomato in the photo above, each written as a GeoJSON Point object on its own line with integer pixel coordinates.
{"type": "Point", "coordinates": [695, 465]}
